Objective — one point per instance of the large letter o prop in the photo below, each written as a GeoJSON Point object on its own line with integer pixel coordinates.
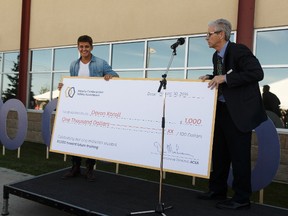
{"type": "Point", "coordinates": [268, 156]}
{"type": "Point", "coordinates": [46, 121]}
{"type": "Point", "coordinates": [13, 104]}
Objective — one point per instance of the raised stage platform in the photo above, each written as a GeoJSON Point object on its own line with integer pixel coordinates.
{"type": "Point", "coordinates": [117, 195]}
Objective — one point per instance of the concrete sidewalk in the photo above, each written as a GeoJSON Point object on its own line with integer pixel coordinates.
{"type": "Point", "coordinates": [23, 207]}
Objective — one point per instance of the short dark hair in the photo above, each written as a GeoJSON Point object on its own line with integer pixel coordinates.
{"type": "Point", "coordinates": [266, 88]}
{"type": "Point", "coordinates": [85, 38]}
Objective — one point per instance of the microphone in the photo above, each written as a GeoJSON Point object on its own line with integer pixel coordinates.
{"type": "Point", "coordinates": [180, 41]}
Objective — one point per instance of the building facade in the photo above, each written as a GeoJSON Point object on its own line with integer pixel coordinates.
{"type": "Point", "coordinates": [135, 36]}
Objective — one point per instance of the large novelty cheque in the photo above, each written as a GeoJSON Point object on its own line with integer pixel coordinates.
{"type": "Point", "coordinates": [121, 120]}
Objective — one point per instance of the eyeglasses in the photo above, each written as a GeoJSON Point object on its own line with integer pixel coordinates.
{"type": "Point", "coordinates": [209, 34]}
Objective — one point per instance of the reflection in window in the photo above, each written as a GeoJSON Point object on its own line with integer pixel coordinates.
{"type": "Point", "coordinates": [48, 66]}
{"type": "Point", "coordinates": [271, 47]}
{"type": "Point", "coordinates": [199, 53]}
{"type": "Point", "coordinates": [64, 57]}
{"type": "Point", "coordinates": [1, 58]}
{"type": "Point", "coordinates": [271, 50]}
{"type": "Point", "coordinates": [41, 60]}
{"type": "Point", "coordinates": [272, 75]}
{"type": "Point", "coordinates": [277, 79]}
{"type": "Point", "coordinates": [161, 52]}
{"type": "Point", "coordinates": [10, 62]}
{"type": "Point", "coordinates": [128, 55]}
{"type": "Point", "coordinates": [1, 67]}
{"type": "Point", "coordinates": [10, 76]}
{"type": "Point", "coordinates": [40, 83]}
{"type": "Point", "coordinates": [1, 82]}
{"type": "Point", "coordinates": [41, 92]}
{"type": "Point", "coordinates": [10, 86]}
{"type": "Point", "coordinates": [58, 78]}
{"type": "Point", "coordinates": [101, 51]}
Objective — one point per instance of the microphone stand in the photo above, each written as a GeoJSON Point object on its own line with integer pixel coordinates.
{"type": "Point", "coordinates": [160, 207]}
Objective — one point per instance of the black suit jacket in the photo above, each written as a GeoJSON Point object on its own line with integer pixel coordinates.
{"type": "Point", "coordinates": [241, 91]}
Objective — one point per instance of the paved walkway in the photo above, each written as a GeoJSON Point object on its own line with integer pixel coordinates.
{"type": "Point", "coordinates": [23, 207]}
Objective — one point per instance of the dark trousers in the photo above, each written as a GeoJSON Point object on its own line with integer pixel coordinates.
{"type": "Point", "coordinates": [77, 161]}
{"type": "Point", "coordinates": [230, 146]}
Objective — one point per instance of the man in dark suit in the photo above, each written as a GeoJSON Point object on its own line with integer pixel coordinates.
{"type": "Point", "coordinates": [239, 110]}
{"type": "Point", "coordinates": [271, 101]}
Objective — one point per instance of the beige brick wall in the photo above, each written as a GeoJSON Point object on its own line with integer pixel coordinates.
{"type": "Point", "coordinates": [34, 134]}
{"type": "Point", "coordinates": [282, 173]}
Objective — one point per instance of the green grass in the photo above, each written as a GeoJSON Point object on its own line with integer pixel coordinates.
{"type": "Point", "coordinates": [33, 161]}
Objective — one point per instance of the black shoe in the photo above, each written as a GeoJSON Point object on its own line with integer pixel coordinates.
{"type": "Point", "coordinates": [89, 175]}
{"type": "Point", "coordinates": [73, 172]}
{"type": "Point", "coordinates": [233, 205]}
{"type": "Point", "coordinates": [211, 195]}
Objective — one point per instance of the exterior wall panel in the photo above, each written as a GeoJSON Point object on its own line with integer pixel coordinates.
{"type": "Point", "coordinates": [116, 20]}
{"type": "Point", "coordinates": [10, 24]}
{"type": "Point", "coordinates": [271, 13]}
{"type": "Point", "coordinates": [58, 23]}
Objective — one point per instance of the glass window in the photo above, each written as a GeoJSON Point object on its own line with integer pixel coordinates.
{"type": "Point", "coordinates": [195, 74]}
{"type": "Point", "coordinates": [1, 75]}
{"type": "Point", "coordinates": [272, 75]}
{"type": "Point", "coordinates": [1, 70]}
{"type": "Point", "coordinates": [1, 57]}
{"type": "Point", "coordinates": [41, 60]}
{"type": "Point", "coordinates": [10, 62]}
{"type": "Point", "coordinates": [63, 58]}
{"type": "Point", "coordinates": [233, 37]}
{"type": "Point", "coordinates": [199, 53]}
{"type": "Point", "coordinates": [277, 79]}
{"type": "Point", "coordinates": [10, 80]}
{"type": "Point", "coordinates": [128, 55]}
{"type": "Point", "coordinates": [175, 74]}
{"type": "Point", "coordinates": [10, 86]}
{"type": "Point", "coordinates": [101, 51]}
{"type": "Point", "coordinates": [130, 74]}
{"type": "Point", "coordinates": [160, 53]}
{"type": "Point", "coordinates": [271, 47]}
{"type": "Point", "coordinates": [41, 93]}
{"type": "Point", "coordinates": [58, 78]}
{"type": "Point", "coordinates": [40, 83]}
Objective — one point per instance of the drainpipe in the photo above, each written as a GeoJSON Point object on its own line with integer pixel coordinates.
{"type": "Point", "coordinates": [24, 51]}
{"type": "Point", "coordinates": [245, 22]}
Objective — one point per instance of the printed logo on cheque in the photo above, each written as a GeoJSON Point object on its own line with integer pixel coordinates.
{"type": "Point", "coordinates": [70, 92]}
